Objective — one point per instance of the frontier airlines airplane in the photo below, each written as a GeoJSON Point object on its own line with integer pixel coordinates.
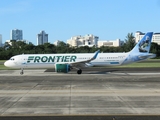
{"type": "Point", "coordinates": [66, 62]}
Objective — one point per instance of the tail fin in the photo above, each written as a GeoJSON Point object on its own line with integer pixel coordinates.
{"type": "Point", "coordinates": [143, 46]}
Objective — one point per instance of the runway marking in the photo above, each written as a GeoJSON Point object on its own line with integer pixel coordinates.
{"type": "Point", "coordinates": [24, 93]}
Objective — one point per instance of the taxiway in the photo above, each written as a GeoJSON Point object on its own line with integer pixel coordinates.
{"type": "Point", "coordinates": [40, 93]}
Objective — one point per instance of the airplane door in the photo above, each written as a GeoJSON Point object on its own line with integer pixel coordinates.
{"type": "Point", "coordinates": [23, 62]}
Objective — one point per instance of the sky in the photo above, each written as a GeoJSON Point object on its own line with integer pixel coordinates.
{"type": "Point", "coordinates": [62, 19]}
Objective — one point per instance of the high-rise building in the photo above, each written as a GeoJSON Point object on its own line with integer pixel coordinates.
{"type": "Point", "coordinates": [42, 38]}
{"type": "Point", "coordinates": [0, 40]}
{"type": "Point", "coordinates": [16, 34]}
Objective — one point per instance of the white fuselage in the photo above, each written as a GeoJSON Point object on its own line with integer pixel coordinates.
{"type": "Point", "coordinates": [49, 60]}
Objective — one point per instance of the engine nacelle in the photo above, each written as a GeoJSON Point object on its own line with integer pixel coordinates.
{"type": "Point", "coordinates": [64, 68]}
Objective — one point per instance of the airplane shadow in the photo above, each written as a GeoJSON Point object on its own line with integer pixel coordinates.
{"type": "Point", "coordinates": [86, 71]}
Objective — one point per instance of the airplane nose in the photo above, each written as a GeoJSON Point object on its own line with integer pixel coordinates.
{"type": "Point", "coordinates": [6, 64]}
{"type": "Point", "coordinates": [10, 64]}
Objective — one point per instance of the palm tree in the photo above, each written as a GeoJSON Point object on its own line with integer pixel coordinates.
{"type": "Point", "coordinates": [130, 41]}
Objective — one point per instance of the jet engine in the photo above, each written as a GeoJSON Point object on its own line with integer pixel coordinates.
{"type": "Point", "coordinates": [62, 68]}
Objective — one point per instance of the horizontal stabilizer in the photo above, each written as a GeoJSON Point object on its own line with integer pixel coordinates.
{"type": "Point", "coordinates": [150, 55]}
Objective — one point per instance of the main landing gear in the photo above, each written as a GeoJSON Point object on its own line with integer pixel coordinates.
{"type": "Point", "coordinates": [79, 71]}
{"type": "Point", "coordinates": [21, 71]}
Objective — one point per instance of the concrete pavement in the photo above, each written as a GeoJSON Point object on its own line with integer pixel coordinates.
{"type": "Point", "coordinates": [47, 94]}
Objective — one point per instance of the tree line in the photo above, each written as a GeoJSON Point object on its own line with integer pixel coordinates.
{"type": "Point", "coordinates": [19, 47]}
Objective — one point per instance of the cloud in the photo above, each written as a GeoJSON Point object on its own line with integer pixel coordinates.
{"type": "Point", "coordinates": [18, 7]}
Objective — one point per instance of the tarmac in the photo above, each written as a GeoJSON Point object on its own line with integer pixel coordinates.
{"type": "Point", "coordinates": [97, 93]}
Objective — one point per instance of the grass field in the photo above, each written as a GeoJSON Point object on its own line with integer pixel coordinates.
{"type": "Point", "coordinates": [141, 64]}
{"type": "Point", "coordinates": [147, 63]}
{"type": "Point", "coordinates": [2, 61]}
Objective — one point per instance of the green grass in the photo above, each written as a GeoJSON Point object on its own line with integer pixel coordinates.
{"type": "Point", "coordinates": [141, 64]}
{"type": "Point", "coordinates": [2, 60]}
{"type": "Point", "coordinates": [152, 60]}
{"type": "Point", "coordinates": [146, 63]}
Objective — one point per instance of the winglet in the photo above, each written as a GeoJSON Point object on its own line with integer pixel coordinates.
{"type": "Point", "coordinates": [95, 55]}
{"type": "Point", "coordinates": [87, 61]}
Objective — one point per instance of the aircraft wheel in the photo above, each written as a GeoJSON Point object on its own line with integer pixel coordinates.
{"type": "Point", "coordinates": [79, 71]}
{"type": "Point", "coordinates": [69, 68]}
{"type": "Point", "coordinates": [21, 73]}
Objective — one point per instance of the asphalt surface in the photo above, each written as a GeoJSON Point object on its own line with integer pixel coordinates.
{"type": "Point", "coordinates": [97, 94]}
{"type": "Point", "coordinates": [135, 117]}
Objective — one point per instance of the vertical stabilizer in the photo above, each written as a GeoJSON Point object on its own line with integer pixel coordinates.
{"type": "Point", "coordinates": [143, 46]}
{"type": "Point", "coordinates": [141, 50]}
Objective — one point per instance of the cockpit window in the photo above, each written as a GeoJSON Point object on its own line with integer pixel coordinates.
{"type": "Point", "coordinates": [11, 58]}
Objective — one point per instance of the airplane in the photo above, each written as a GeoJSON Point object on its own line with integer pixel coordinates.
{"type": "Point", "coordinates": [66, 62]}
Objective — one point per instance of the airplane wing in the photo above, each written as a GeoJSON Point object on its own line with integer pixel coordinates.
{"type": "Point", "coordinates": [86, 62]}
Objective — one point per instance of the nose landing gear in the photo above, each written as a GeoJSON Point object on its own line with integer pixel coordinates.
{"type": "Point", "coordinates": [21, 71]}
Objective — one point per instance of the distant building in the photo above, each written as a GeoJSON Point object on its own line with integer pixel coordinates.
{"type": "Point", "coordinates": [87, 40]}
{"type": "Point", "coordinates": [91, 40]}
{"type": "Point", "coordinates": [57, 42]}
{"type": "Point", "coordinates": [115, 43]}
{"type": "Point", "coordinates": [1, 41]}
{"type": "Point", "coordinates": [155, 37]}
{"type": "Point", "coordinates": [16, 34]}
{"type": "Point", "coordinates": [25, 41]}
{"type": "Point", "coordinates": [42, 38]}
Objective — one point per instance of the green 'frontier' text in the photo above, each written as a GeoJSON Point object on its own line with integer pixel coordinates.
{"type": "Point", "coordinates": [44, 59]}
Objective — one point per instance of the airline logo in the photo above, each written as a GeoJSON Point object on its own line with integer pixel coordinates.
{"type": "Point", "coordinates": [144, 44]}
{"type": "Point", "coordinates": [44, 59]}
